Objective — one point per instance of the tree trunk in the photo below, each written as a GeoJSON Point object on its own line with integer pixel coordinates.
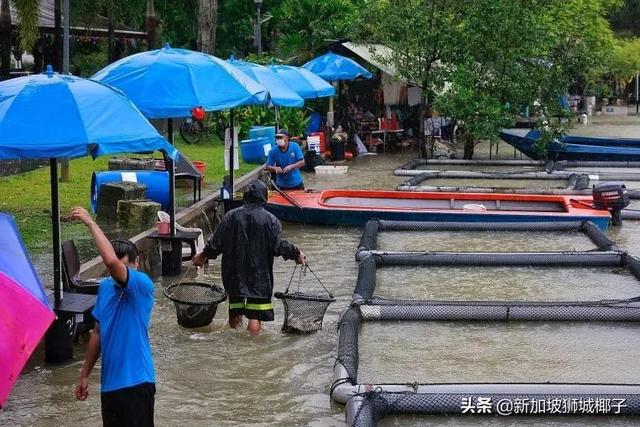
{"type": "Point", "coordinates": [469, 146]}
{"type": "Point", "coordinates": [57, 36]}
{"type": "Point", "coordinates": [151, 25]}
{"type": "Point", "coordinates": [5, 39]}
{"type": "Point", "coordinates": [207, 23]}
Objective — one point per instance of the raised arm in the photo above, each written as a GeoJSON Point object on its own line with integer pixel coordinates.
{"type": "Point", "coordinates": [117, 269]}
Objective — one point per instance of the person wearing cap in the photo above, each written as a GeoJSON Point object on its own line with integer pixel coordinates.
{"type": "Point", "coordinates": [249, 238]}
{"type": "Point", "coordinates": [285, 161]}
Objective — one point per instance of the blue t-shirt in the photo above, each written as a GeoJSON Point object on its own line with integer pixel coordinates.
{"type": "Point", "coordinates": [279, 158]}
{"type": "Point", "coordinates": [123, 314]}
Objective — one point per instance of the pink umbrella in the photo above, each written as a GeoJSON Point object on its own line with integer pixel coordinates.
{"type": "Point", "coordinates": [25, 314]}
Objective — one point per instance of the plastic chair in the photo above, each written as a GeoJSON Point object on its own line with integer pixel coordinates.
{"type": "Point", "coordinates": [71, 272]}
{"type": "Point", "coordinates": [196, 247]}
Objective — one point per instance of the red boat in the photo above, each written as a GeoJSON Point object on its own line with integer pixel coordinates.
{"type": "Point", "coordinates": [356, 207]}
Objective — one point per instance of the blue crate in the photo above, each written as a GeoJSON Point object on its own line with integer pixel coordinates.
{"type": "Point", "coordinates": [256, 150]}
{"type": "Point", "coordinates": [263, 132]}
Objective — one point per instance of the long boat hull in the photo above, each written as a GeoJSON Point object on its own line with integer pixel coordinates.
{"type": "Point", "coordinates": [356, 207]}
{"type": "Point", "coordinates": [572, 147]}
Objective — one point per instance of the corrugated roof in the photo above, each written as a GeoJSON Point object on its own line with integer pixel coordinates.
{"type": "Point", "coordinates": [46, 21]}
{"type": "Point", "coordinates": [374, 54]}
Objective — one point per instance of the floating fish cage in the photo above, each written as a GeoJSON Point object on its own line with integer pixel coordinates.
{"type": "Point", "coordinates": [368, 403]}
{"type": "Point", "coordinates": [196, 303]}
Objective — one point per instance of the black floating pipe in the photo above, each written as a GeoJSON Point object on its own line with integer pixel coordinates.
{"type": "Point", "coordinates": [369, 238]}
{"type": "Point", "coordinates": [479, 226]}
{"type": "Point", "coordinates": [55, 223]}
{"type": "Point", "coordinates": [347, 353]}
{"type": "Point", "coordinates": [366, 282]}
{"type": "Point", "coordinates": [597, 237]}
{"type": "Point", "coordinates": [551, 259]}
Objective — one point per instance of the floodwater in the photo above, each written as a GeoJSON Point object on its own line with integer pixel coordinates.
{"type": "Point", "coordinates": [216, 376]}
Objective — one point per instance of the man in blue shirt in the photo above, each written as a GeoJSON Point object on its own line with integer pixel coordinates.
{"type": "Point", "coordinates": [285, 161]}
{"type": "Point", "coordinates": [122, 313]}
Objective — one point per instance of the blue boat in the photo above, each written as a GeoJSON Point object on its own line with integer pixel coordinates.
{"type": "Point", "coordinates": [571, 147]}
{"type": "Point", "coordinates": [356, 207]}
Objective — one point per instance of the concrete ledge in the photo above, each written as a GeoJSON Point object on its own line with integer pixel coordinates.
{"type": "Point", "coordinates": [186, 217]}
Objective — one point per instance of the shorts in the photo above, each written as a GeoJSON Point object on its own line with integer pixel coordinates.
{"type": "Point", "coordinates": [253, 308]}
{"type": "Point", "coordinates": [131, 406]}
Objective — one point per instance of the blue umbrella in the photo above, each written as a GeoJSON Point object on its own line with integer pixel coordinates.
{"type": "Point", "coordinates": [304, 82]}
{"type": "Point", "coordinates": [331, 67]}
{"type": "Point", "coordinates": [280, 93]}
{"type": "Point", "coordinates": [51, 115]}
{"type": "Point", "coordinates": [168, 83]}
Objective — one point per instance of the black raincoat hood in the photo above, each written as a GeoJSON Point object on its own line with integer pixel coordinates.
{"type": "Point", "coordinates": [255, 193]}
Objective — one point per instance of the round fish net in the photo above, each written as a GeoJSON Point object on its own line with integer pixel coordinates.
{"type": "Point", "coordinates": [303, 312]}
{"type": "Point", "coordinates": [196, 303]}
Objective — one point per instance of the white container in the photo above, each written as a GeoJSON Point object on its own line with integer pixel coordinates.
{"type": "Point", "coordinates": [313, 144]}
{"type": "Point", "coordinates": [331, 170]}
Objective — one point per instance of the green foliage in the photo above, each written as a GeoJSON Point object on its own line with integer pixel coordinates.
{"type": "Point", "coordinates": [306, 27]}
{"type": "Point", "coordinates": [294, 120]}
{"type": "Point", "coordinates": [27, 11]}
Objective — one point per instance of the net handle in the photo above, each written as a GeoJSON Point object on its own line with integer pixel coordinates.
{"type": "Point", "coordinates": [302, 272]}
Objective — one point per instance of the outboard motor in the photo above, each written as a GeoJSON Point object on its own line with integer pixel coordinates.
{"type": "Point", "coordinates": [613, 197]}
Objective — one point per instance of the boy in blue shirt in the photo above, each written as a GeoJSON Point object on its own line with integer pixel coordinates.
{"type": "Point", "coordinates": [122, 313]}
{"type": "Point", "coordinates": [285, 161]}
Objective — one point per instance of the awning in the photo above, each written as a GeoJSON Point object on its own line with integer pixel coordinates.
{"type": "Point", "coordinates": [374, 54]}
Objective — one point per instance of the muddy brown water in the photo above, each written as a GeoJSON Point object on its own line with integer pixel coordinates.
{"type": "Point", "coordinates": [222, 377]}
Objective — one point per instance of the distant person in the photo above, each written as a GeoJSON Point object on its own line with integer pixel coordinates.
{"type": "Point", "coordinates": [249, 238]}
{"type": "Point", "coordinates": [285, 161]}
{"type": "Point", "coordinates": [122, 313]}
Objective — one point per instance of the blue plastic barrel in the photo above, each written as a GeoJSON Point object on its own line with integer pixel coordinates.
{"type": "Point", "coordinates": [157, 183]}
{"type": "Point", "coordinates": [315, 123]}
{"type": "Point", "coordinates": [263, 132]}
{"type": "Point", "coordinates": [256, 150]}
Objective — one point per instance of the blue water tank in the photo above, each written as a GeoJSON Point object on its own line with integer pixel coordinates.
{"type": "Point", "coordinates": [263, 132]}
{"type": "Point", "coordinates": [256, 150]}
{"type": "Point", "coordinates": [157, 183]}
{"type": "Point", "coordinates": [315, 123]}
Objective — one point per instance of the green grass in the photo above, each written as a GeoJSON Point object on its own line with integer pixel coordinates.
{"type": "Point", "coordinates": [28, 196]}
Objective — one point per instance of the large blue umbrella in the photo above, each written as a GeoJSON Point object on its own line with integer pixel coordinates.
{"type": "Point", "coordinates": [331, 67]}
{"type": "Point", "coordinates": [50, 115]}
{"type": "Point", "coordinates": [304, 82]}
{"type": "Point", "coordinates": [280, 94]}
{"type": "Point", "coordinates": [169, 83]}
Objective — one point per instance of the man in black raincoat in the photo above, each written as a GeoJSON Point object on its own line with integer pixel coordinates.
{"type": "Point", "coordinates": [249, 238]}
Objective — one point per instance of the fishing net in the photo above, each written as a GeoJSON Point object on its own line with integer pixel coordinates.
{"type": "Point", "coordinates": [303, 311]}
{"type": "Point", "coordinates": [196, 303]}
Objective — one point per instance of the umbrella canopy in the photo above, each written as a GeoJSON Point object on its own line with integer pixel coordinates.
{"type": "Point", "coordinates": [304, 82]}
{"type": "Point", "coordinates": [51, 115]}
{"type": "Point", "coordinates": [168, 83]}
{"type": "Point", "coordinates": [331, 67]}
{"type": "Point", "coordinates": [25, 314]}
{"type": "Point", "coordinates": [280, 93]}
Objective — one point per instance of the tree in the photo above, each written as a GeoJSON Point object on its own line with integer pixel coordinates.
{"type": "Point", "coordinates": [207, 20]}
{"type": "Point", "coordinates": [306, 27]}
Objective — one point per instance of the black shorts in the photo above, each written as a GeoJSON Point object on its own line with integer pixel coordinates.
{"type": "Point", "coordinates": [129, 407]}
{"type": "Point", "coordinates": [253, 308]}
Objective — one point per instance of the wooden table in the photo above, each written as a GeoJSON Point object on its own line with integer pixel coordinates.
{"type": "Point", "coordinates": [384, 133]}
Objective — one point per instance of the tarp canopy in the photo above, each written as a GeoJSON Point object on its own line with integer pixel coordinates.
{"type": "Point", "coordinates": [280, 94]}
{"type": "Point", "coordinates": [304, 82]}
{"type": "Point", "coordinates": [51, 115]}
{"type": "Point", "coordinates": [169, 83]}
{"type": "Point", "coordinates": [375, 54]}
{"type": "Point", "coordinates": [332, 67]}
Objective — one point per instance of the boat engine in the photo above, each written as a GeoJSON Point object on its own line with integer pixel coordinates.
{"type": "Point", "coordinates": [613, 197]}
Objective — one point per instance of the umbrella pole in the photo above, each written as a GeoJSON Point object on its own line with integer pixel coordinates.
{"type": "Point", "coordinates": [277, 116]}
{"type": "Point", "coordinates": [55, 222]}
{"type": "Point", "coordinates": [231, 148]}
{"type": "Point", "coordinates": [168, 161]}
